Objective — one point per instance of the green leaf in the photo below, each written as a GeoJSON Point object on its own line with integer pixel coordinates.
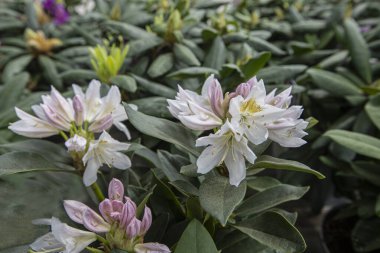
{"type": "Point", "coordinates": [372, 108]}
{"type": "Point", "coordinates": [185, 55]}
{"type": "Point", "coordinates": [360, 143]}
{"type": "Point", "coordinates": [25, 197]}
{"type": "Point", "coordinates": [309, 26]}
{"type": "Point", "coordinates": [219, 198]}
{"type": "Point", "coordinates": [47, 149]}
{"type": "Point", "coordinates": [171, 164]}
{"type": "Point", "coordinates": [216, 55]}
{"type": "Point", "coordinates": [20, 162]}
{"type": "Point", "coordinates": [15, 66]}
{"type": "Point", "coordinates": [358, 50]}
{"type": "Point", "coordinates": [154, 88]}
{"type": "Point", "coordinates": [139, 46]}
{"type": "Point", "coordinates": [12, 90]}
{"type": "Point", "coordinates": [270, 198]}
{"type": "Point", "coordinates": [142, 204]}
{"type": "Point", "coordinates": [280, 74]}
{"type": "Point", "coordinates": [366, 235]}
{"type": "Point", "coordinates": [255, 64]}
{"type": "Point", "coordinates": [161, 65]}
{"type": "Point", "coordinates": [49, 71]}
{"type": "Point", "coordinates": [196, 239]}
{"type": "Point", "coordinates": [275, 231]}
{"type": "Point", "coordinates": [78, 74]}
{"type": "Point", "coordinates": [192, 72]}
{"type": "Point", "coordinates": [263, 45]}
{"type": "Point", "coordinates": [262, 183]}
{"type": "Point", "coordinates": [269, 162]}
{"type": "Point", "coordinates": [335, 84]}
{"type": "Point", "coordinates": [153, 106]}
{"type": "Point", "coordinates": [367, 170]}
{"type": "Point", "coordinates": [162, 129]}
{"type": "Point", "coordinates": [130, 31]}
{"type": "Point", "coordinates": [125, 82]}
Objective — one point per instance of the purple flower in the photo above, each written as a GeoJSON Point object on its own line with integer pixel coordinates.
{"type": "Point", "coordinates": [57, 11]}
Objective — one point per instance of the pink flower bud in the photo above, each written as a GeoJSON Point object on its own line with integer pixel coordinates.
{"type": "Point", "coordinates": [128, 213]}
{"type": "Point", "coordinates": [101, 124]}
{"type": "Point", "coordinates": [94, 222]}
{"type": "Point", "coordinates": [151, 247]}
{"type": "Point", "coordinates": [55, 119]}
{"type": "Point", "coordinates": [244, 89]}
{"type": "Point", "coordinates": [133, 228]}
{"type": "Point", "coordinates": [105, 208]}
{"type": "Point", "coordinates": [146, 221]}
{"type": "Point", "coordinates": [116, 190]}
{"type": "Point", "coordinates": [74, 210]}
{"type": "Point", "coordinates": [216, 97]}
{"type": "Point", "coordinates": [78, 110]}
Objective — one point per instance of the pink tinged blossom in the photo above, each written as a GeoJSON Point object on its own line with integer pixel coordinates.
{"type": "Point", "coordinates": [54, 118]}
{"type": "Point", "coordinates": [146, 221]}
{"type": "Point", "coordinates": [31, 126]}
{"type": "Point", "coordinates": [133, 228]}
{"type": "Point", "coordinates": [282, 100]}
{"type": "Point", "coordinates": [74, 210]}
{"type": "Point", "coordinates": [151, 247]}
{"type": "Point", "coordinates": [216, 97]}
{"type": "Point", "coordinates": [244, 89]}
{"type": "Point", "coordinates": [61, 105]}
{"type": "Point", "coordinates": [76, 144]}
{"type": "Point", "coordinates": [128, 213]}
{"type": "Point", "coordinates": [102, 124]}
{"type": "Point", "coordinates": [116, 190]}
{"type": "Point", "coordinates": [94, 222]}
{"type": "Point", "coordinates": [78, 110]}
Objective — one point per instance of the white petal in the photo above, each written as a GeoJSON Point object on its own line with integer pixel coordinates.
{"type": "Point", "coordinates": [236, 167]}
{"type": "Point", "coordinates": [256, 133]}
{"type": "Point", "coordinates": [75, 240]}
{"type": "Point", "coordinates": [90, 174]}
{"type": "Point", "coordinates": [47, 243]}
{"type": "Point", "coordinates": [210, 158]}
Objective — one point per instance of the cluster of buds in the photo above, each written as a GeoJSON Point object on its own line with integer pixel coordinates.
{"type": "Point", "coordinates": [38, 42]}
{"type": "Point", "coordinates": [247, 115]}
{"type": "Point", "coordinates": [103, 56]}
{"type": "Point", "coordinates": [118, 222]}
{"type": "Point", "coordinates": [77, 120]}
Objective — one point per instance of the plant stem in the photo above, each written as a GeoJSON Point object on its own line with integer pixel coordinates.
{"type": "Point", "coordinates": [98, 192]}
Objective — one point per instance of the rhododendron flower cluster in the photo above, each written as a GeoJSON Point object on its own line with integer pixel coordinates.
{"type": "Point", "coordinates": [244, 117]}
{"type": "Point", "coordinates": [78, 120]}
{"type": "Point", "coordinates": [117, 223]}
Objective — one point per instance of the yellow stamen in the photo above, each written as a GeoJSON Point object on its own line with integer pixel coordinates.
{"type": "Point", "coordinates": [250, 106]}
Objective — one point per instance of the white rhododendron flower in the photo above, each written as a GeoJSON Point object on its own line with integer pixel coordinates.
{"type": "Point", "coordinates": [105, 150]}
{"type": "Point", "coordinates": [245, 115]}
{"type": "Point", "coordinates": [229, 146]}
{"type": "Point", "coordinates": [63, 238]}
{"type": "Point", "coordinates": [195, 111]}
{"type": "Point", "coordinates": [57, 114]}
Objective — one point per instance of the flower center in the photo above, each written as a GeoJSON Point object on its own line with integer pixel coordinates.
{"type": "Point", "coordinates": [250, 107]}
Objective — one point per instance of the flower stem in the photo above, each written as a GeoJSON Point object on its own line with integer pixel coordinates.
{"type": "Point", "coordinates": [93, 250]}
{"type": "Point", "coordinates": [64, 135]}
{"type": "Point", "coordinates": [98, 192]}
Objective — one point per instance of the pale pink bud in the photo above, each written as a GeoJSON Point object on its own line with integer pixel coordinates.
{"type": "Point", "coordinates": [94, 222]}
{"type": "Point", "coordinates": [146, 221]}
{"type": "Point", "coordinates": [76, 144]}
{"type": "Point", "coordinates": [117, 206]}
{"type": "Point", "coordinates": [216, 98]}
{"type": "Point", "coordinates": [74, 210]}
{"type": "Point", "coordinates": [116, 190]}
{"type": "Point", "coordinates": [133, 228]}
{"type": "Point", "coordinates": [128, 213]}
{"type": "Point", "coordinates": [55, 119]}
{"type": "Point", "coordinates": [78, 110]}
{"type": "Point", "coordinates": [105, 208]}
{"type": "Point", "coordinates": [244, 89]}
{"type": "Point", "coordinates": [102, 124]}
